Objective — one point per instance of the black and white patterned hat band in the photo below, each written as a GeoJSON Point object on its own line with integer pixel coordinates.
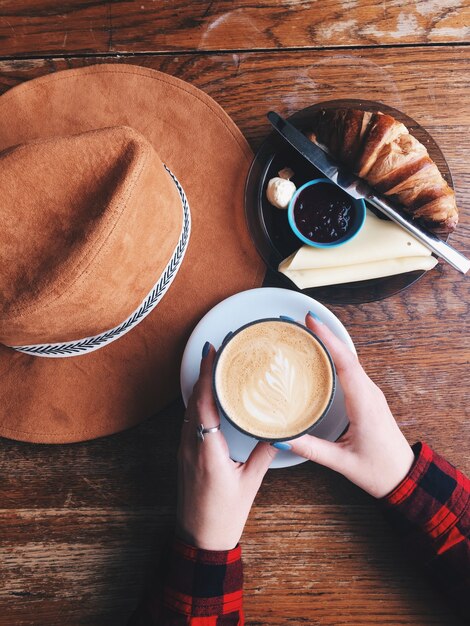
{"type": "Point", "coordinates": [89, 344]}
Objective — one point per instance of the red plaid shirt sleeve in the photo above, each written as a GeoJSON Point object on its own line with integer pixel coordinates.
{"type": "Point", "coordinates": [195, 588]}
{"type": "Point", "coordinates": [431, 510]}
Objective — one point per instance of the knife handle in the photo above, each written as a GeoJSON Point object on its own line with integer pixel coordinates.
{"type": "Point", "coordinates": [433, 243]}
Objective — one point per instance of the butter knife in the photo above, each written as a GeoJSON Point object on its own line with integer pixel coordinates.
{"type": "Point", "coordinates": [359, 189]}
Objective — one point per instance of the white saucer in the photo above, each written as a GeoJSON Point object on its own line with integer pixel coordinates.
{"type": "Point", "coordinates": [240, 309]}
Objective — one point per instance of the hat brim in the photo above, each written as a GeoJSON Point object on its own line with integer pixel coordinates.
{"type": "Point", "coordinates": [83, 397]}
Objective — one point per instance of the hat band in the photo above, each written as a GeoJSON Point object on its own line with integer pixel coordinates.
{"type": "Point", "coordinates": [90, 344]}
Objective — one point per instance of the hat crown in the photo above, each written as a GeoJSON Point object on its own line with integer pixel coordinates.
{"type": "Point", "coordinates": [87, 223]}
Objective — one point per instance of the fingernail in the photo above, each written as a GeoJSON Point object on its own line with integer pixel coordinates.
{"type": "Point", "coordinates": [227, 336]}
{"type": "Point", "coordinates": [281, 445]}
{"type": "Point", "coordinates": [315, 317]}
{"type": "Point", "coordinates": [286, 318]}
{"type": "Point", "coordinates": [205, 350]}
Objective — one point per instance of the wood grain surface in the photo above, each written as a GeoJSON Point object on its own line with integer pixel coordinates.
{"type": "Point", "coordinates": [48, 27]}
{"type": "Point", "coordinates": [80, 525]}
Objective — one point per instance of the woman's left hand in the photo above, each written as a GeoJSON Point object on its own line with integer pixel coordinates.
{"type": "Point", "coordinates": [215, 494]}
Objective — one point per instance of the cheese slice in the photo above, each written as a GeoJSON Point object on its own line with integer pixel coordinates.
{"type": "Point", "coordinates": [381, 248]}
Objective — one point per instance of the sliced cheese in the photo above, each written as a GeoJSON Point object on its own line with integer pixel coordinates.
{"type": "Point", "coordinates": [364, 271]}
{"type": "Point", "coordinates": [381, 248]}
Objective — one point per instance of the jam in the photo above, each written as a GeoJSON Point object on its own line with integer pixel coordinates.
{"type": "Point", "coordinates": [324, 213]}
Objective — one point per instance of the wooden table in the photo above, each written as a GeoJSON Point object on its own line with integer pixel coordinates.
{"type": "Point", "coordinates": [80, 524]}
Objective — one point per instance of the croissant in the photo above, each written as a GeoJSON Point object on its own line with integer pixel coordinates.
{"type": "Point", "coordinates": [380, 149]}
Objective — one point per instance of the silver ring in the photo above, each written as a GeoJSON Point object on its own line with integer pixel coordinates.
{"type": "Point", "coordinates": [201, 431]}
{"type": "Point", "coordinates": [185, 421]}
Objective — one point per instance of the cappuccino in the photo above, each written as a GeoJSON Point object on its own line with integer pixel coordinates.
{"type": "Point", "coordinates": [273, 379]}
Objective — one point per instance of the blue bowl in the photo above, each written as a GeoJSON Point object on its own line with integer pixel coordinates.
{"type": "Point", "coordinates": [355, 227]}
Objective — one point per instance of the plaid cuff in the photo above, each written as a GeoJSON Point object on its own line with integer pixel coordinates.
{"type": "Point", "coordinates": [203, 583]}
{"type": "Point", "coordinates": [432, 499]}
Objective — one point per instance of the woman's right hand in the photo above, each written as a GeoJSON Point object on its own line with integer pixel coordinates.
{"type": "Point", "coordinates": [373, 453]}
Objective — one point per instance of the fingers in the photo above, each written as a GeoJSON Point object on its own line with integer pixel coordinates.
{"type": "Point", "coordinates": [319, 451]}
{"type": "Point", "coordinates": [259, 460]}
{"type": "Point", "coordinates": [201, 404]}
{"type": "Point", "coordinates": [202, 409]}
{"type": "Point", "coordinates": [346, 363]}
{"type": "Point", "coordinates": [206, 407]}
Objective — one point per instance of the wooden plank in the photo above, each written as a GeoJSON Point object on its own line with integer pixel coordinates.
{"type": "Point", "coordinates": [90, 26]}
{"type": "Point", "coordinates": [47, 26]}
{"type": "Point", "coordinates": [88, 566]}
{"type": "Point", "coordinates": [292, 578]}
{"type": "Point", "coordinates": [76, 566]}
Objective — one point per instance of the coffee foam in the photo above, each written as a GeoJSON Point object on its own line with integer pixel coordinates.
{"type": "Point", "coordinates": [274, 379]}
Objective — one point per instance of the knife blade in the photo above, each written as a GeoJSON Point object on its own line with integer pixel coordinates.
{"type": "Point", "coordinates": [357, 188]}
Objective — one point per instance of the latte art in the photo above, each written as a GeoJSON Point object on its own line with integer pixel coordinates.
{"type": "Point", "coordinates": [273, 379]}
{"type": "Point", "coordinates": [273, 397]}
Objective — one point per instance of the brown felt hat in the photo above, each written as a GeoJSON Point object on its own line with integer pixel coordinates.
{"type": "Point", "coordinates": [121, 224]}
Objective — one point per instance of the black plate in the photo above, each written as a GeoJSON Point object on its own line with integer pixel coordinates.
{"type": "Point", "coordinates": [270, 230]}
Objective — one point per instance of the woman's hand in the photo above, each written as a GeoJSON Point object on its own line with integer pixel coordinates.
{"type": "Point", "coordinates": [215, 494]}
{"type": "Point", "coordinates": [373, 453]}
